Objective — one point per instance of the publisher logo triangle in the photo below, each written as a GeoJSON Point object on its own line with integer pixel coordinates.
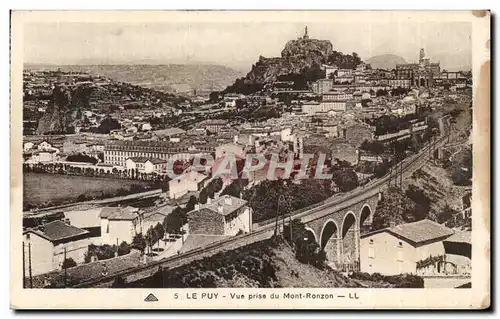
{"type": "Point", "coordinates": [151, 297]}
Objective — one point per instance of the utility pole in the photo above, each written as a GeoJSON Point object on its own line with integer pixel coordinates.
{"type": "Point", "coordinates": [24, 268]}
{"type": "Point", "coordinates": [390, 175]}
{"type": "Point", "coordinates": [434, 150]}
{"type": "Point", "coordinates": [65, 269]}
{"type": "Point", "coordinates": [291, 238]}
{"type": "Point", "coordinates": [394, 155]}
{"type": "Point", "coordinates": [29, 261]}
{"type": "Point", "coordinates": [401, 173]}
{"type": "Point", "coordinates": [276, 228]}
{"type": "Point", "coordinates": [276, 221]}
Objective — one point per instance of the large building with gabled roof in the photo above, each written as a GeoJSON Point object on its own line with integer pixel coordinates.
{"type": "Point", "coordinates": [412, 248]}
{"type": "Point", "coordinates": [47, 246]}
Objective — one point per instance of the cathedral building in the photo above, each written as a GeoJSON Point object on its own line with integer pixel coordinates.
{"type": "Point", "coordinates": [419, 74]}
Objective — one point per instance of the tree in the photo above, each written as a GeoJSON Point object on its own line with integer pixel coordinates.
{"type": "Point", "coordinates": [374, 147]}
{"type": "Point", "coordinates": [139, 242]}
{"type": "Point", "coordinates": [150, 237]}
{"type": "Point", "coordinates": [235, 188]}
{"type": "Point", "coordinates": [446, 214]}
{"type": "Point", "coordinates": [159, 232]}
{"type": "Point", "coordinates": [461, 176]}
{"type": "Point", "coordinates": [190, 204]}
{"type": "Point", "coordinates": [108, 124]}
{"type": "Point", "coordinates": [214, 97]}
{"type": "Point", "coordinates": [82, 158]}
{"type": "Point", "coordinates": [68, 263]}
{"type": "Point", "coordinates": [123, 249]}
{"type": "Point", "coordinates": [381, 169]}
{"type": "Point", "coordinates": [346, 179]}
{"type": "Point", "coordinates": [203, 196]}
{"type": "Point", "coordinates": [307, 249]}
{"type": "Point", "coordinates": [422, 202]}
{"type": "Point", "coordinates": [119, 282]}
{"type": "Point", "coordinates": [381, 93]}
{"type": "Point", "coordinates": [395, 208]}
{"type": "Point", "coordinates": [175, 220]}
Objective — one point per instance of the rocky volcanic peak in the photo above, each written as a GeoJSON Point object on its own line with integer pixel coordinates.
{"type": "Point", "coordinates": [57, 116]}
{"type": "Point", "coordinates": [307, 47]}
{"type": "Point", "coordinates": [296, 56]}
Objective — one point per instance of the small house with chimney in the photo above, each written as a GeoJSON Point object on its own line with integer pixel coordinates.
{"type": "Point", "coordinates": [47, 246]}
{"type": "Point", "coordinates": [223, 216]}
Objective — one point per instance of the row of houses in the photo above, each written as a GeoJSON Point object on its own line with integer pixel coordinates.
{"type": "Point", "coordinates": [46, 247]}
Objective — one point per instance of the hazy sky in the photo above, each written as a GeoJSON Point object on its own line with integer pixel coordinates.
{"type": "Point", "coordinates": [238, 45]}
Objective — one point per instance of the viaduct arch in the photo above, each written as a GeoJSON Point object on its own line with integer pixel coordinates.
{"type": "Point", "coordinates": [338, 232]}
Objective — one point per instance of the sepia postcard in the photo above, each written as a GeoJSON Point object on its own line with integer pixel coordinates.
{"type": "Point", "coordinates": [250, 160]}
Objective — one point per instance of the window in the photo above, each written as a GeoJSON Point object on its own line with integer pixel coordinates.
{"type": "Point", "coordinates": [371, 241]}
{"type": "Point", "coordinates": [371, 252]}
{"type": "Point", "coordinates": [400, 255]}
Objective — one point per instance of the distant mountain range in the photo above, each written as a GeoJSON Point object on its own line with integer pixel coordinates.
{"type": "Point", "coordinates": [171, 78]}
{"type": "Point", "coordinates": [385, 61]}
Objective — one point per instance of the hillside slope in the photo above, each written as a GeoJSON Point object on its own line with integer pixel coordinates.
{"type": "Point", "coordinates": [385, 61]}
{"type": "Point", "coordinates": [268, 263]}
{"type": "Point", "coordinates": [180, 78]}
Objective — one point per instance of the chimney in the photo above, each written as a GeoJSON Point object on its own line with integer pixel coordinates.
{"type": "Point", "coordinates": [67, 221]}
{"type": "Point", "coordinates": [216, 196]}
{"type": "Point", "coordinates": [209, 201]}
{"type": "Point", "coordinates": [235, 139]}
{"type": "Point", "coordinates": [227, 200]}
{"type": "Point", "coordinates": [196, 206]}
{"type": "Point", "coordinates": [392, 224]}
{"type": "Point", "coordinates": [220, 209]}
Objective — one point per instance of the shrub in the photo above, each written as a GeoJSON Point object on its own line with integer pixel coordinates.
{"type": "Point", "coordinates": [139, 242]}
{"type": "Point", "coordinates": [460, 177]}
{"type": "Point", "coordinates": [398, 281]}
{"type": "Point", "coordinates": [123, 249]}
{"type": "Point", "coordinates": [119, 282]}
{"type": "Point", "coordinates": [68, 263]}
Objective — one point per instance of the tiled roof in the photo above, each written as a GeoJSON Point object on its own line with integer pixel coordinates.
{"type": "Point", "coordinates": [107, 212]}
{"type": "Point", "coordinates": [192, 176]}
{"type": "Point", "coordinates": [93, 270]}
{"type": "Point", "coordinates": [169, 131]}
{"type": "Point", "coordinates": [460, 237]}
{"type": "Point", "coordinates": [58, 230]}
{"type": "Point", "coordinates": [139, 159]}
{"type": "Point", "coordinates": [84, 218]}
{"type": "Point", "coordinates": [227, 203]}
{"type": "Point", "coordinates": [194, 241]}
{"type": "Point", "coordinates": [421, 231]}
{"type": "Point", "coordinates": [157, 214]}
{"type": "Point", "coordinates": [158, 161]}
{"type": "Point", "coordinates": [123, 215]}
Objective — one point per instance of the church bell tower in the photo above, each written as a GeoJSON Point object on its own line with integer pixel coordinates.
{"type": "Point", "coordinates": [421, 55]}
{"type": "Point", "coordinates": [306, 36]}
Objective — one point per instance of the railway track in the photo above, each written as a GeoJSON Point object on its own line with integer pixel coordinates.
{"type": "Point", "coordinates": [264, 231]}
